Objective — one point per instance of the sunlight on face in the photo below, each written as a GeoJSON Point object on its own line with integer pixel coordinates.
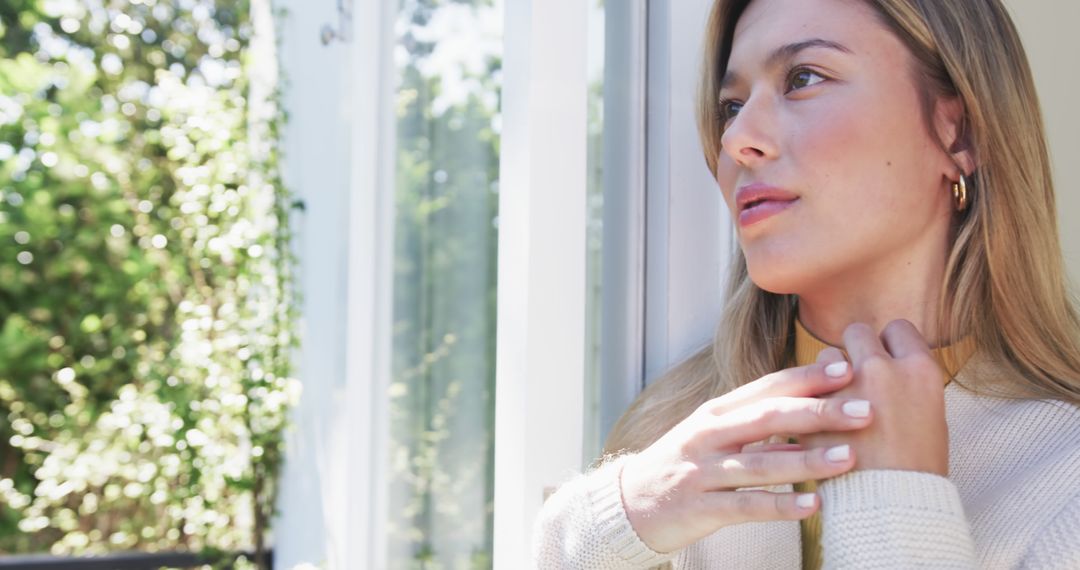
{"type": "Point", "coordinates": [828, 166]}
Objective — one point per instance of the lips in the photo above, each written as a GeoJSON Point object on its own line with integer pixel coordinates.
{"type": "Point", "coordinates": [757, 202]}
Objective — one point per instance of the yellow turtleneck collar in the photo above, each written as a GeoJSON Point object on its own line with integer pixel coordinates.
{"type": "Point", "coordinates": [951, 358]}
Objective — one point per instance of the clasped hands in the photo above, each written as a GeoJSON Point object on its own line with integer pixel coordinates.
{"type": "Point", "coordinates": [882, 409]}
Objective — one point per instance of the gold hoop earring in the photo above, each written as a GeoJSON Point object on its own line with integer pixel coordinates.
{"type": "Point", "coordinates": [960, 195]}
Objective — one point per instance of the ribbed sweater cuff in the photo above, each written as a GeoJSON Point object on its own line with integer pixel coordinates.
{"type": "Point", "coordinates": [877, 489]}
{"type": "Point", "coordinates": [612, 523]}
{"type": "Point", "coordinates": [894, 519]}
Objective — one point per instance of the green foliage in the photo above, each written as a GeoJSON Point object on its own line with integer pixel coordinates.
{"type": "Point", "coordinates": [145, 297]}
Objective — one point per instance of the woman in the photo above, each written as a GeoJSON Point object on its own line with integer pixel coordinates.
{"type": "Point", "coordinates": [885, 163]}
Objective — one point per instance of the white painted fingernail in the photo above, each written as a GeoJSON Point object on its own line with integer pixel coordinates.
{"type": "Point", "coordinates": [805, 501]}
{"type": "Point", "coordinates": [836, 369]}
{"type": "Point", "coordinates": [856, 408]}
{"type": "Point", "coordinates": [838, 454]}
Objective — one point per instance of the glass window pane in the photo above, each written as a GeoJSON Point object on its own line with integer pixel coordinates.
{"type": "Point", "coordinates": [448, 58]}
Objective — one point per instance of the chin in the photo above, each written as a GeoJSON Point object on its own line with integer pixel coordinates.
{"type": "Point", "coordinates": [776, 276]}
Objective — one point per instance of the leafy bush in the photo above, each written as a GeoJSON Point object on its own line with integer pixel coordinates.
{"type": "Point", "coordinates": [145, 297]}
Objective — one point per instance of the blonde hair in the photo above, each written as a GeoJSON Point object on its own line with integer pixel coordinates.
{"type": "Point", "coordinates": [1005, 282]}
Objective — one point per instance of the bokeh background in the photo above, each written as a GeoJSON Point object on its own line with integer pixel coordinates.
{"type": "Point", "coordinates": [145, 298]}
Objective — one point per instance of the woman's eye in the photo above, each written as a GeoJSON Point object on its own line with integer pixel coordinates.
{"type": "Point", "coordinates": [803, 78]}
{"type": "Point", "coordinates": [728, 109]}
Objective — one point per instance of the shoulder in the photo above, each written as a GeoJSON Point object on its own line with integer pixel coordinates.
{"type": "Point", "coordinates": [983, 400]}
{"type": "Point", "coordinates": [1016, 465]}
{"type": "Point", "coordinates": [998, 443]}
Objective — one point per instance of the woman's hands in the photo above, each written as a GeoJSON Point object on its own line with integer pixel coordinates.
{"type": "Point", "coordinates": [682, 488]}
{"type": "Point", "coordinates": [898, 374]}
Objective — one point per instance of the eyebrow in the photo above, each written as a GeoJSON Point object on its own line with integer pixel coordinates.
{"type": "Point", "coordinates": [787, 52]}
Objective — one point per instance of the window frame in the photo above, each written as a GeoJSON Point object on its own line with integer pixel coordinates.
{"type": "Point", "coordinates": [540, 353]}
{"type": "Point", "coordinates": [667, 241]}
{"type": "Point", "coordinates": [331, 512]}
{"type": "Point", "coordinates": [690, 236]}
{"type": "Point", "coordinates": [662, 258]}
{"type": "Point", "coordinates": [622, 322]}
{"type": "Point", "coordinates": [370, 278]}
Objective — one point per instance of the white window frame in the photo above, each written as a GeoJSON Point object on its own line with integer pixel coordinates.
{"type": "Point", "coordinates": [666, 249]}
{"type": "Point", "coordinates": [690, 235]}
{"type": "Point", "coordinates": [371, 281]}
{"type": "Point", "coordinates": [668, 239]}
{"type": "Point", "coordinates": [540, 354]}
{"type": "Point", "coordinates": [339, 158]}
{"type": "Point", "coordinates": [662, 269]}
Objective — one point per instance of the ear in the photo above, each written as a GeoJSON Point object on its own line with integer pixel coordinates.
{"type": "Point", "coordinates": [953, 131]}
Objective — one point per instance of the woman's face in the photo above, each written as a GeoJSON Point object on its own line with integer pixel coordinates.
{"type": "Point", "coordinates": [828, 165]}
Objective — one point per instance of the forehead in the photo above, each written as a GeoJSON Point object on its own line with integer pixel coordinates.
{"type": "Point", "coordinates": [768, 24]}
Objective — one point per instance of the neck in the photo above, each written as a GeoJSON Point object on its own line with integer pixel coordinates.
{"type": "Point", "coordinates": [876, 295]}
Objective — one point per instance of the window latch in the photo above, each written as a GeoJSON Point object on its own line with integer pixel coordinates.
{"type": "Point", "coordinates": [343, 31]}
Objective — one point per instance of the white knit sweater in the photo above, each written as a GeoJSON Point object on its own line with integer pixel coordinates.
{"type": "Point", "coordinates": [1012, 500]}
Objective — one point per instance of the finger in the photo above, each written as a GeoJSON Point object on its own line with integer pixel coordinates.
{"type": "Point", "coordinates": [834, 360]}
{"type": "Point", "coordinates": [861, 343]}
{"type": "Point", "coordinates": [776, 416]}
{"type": "Point", "coordinates": [902, 339]}
{"type": "Point", "coordinates": [780, 467]}
{"type": "Point", "coordinates": [831, 355]}
{"type": "Point", "coordinates": [758, 447]}
{"type": "Point", "coordinates": [733, 507]}
{"type": "Point", "coordinates": [801, 381]}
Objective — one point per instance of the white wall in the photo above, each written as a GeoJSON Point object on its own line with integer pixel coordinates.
{"type": "Point", "coordinates": [1049, 30]}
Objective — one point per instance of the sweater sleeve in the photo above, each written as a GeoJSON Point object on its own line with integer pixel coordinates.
{"type": "Point", "coordinates": [894, 519]}
{"type": "Point", "coordinates": [1057, 545]}
{"type": "Point", "coordinates": [584, 525]}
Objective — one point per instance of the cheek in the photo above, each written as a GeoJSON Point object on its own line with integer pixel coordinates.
{"type": "Point", "coordinates": [834, 147]}
{"type": "Point", "coordinates": [868, 162]}
{"type": "Point", "coordinates": [726, 178]}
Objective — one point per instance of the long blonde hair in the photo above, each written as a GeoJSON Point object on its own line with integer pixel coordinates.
{"type": "Point", "coordinates": [1005, 283]}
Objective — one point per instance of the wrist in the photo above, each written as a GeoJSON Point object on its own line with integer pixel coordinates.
{"type": "Point", "coordinates": [915, 461]}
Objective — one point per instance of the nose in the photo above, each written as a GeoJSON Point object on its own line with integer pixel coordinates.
{"type": "Point", "coordinates": [750, 137]}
